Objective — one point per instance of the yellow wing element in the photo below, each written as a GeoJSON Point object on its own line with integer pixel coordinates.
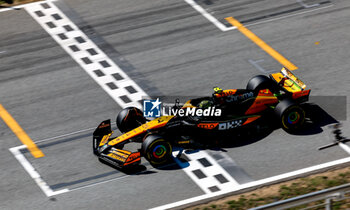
{"type": "Point", "coordinates": [289, 81]}
{"type": "Point", "coordinates": [156, 123]}
{"type": "Point", "coordinates": [292, 77]}
{"type": "Point", "coordinates": [105, 139]}
{"type": "Point", "coordinates": [188, 105]}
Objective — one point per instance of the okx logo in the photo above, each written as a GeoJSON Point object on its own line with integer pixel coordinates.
{"type": "Point", "coordinates": [151, 108]}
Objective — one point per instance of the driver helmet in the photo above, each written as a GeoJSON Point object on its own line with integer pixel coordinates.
{"type": "Point", "coordinates": [205, 104]}
{"type": "Point", "coordinates": [218, 90]}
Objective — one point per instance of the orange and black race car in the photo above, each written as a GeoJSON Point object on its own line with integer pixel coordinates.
{"type": "Point", "coordinates": [280, 94]}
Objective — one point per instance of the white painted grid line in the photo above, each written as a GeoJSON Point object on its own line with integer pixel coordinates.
{"type": "Point", "coordinates": [224, 28]}
{"type": "Point", "coordinates": [212, 19]}
{"type": "Point", "coordinates": [33, 173]}
{"type": "Point", "coordinates": [345, 147]}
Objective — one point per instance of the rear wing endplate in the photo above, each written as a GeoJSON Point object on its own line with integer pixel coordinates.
{"type": "Point", "coordinates": [291, 76]}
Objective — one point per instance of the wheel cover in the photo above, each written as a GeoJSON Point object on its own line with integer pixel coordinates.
{"type": "Point", "coordinates": [159, 151]}
{"type": "Point", "coordinates": [293, 117]}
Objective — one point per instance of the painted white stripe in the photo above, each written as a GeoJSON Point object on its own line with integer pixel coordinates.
{"type": "Point", "coordinates": [212, 19]}
{"type": "Point", "coordinates": [33, 173]}
{"type": "Point", "coordinates": [255, 183]}
{"type": "Point", "coordinates": [345, 147]}
{"type": "Point", "coordinates": [209, 172]}
{"type": "Point", "coordinates": [222, 27]}
{"type": "Point", "coordinates": [2, 52]}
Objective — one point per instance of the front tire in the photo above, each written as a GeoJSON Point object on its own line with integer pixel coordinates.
{"type": "Point", "coordinates": [129, 119]}
{"type": "Point", "coordinates": [291, 115]}
{"type": "Point", "coordinates": [156, 150]}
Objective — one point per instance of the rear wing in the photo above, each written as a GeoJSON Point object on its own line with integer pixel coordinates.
{"type": "Point", "coordinates": [292, 77]}
{"type": "Point", "coordinates": [288, 81]}
{"type": "Point", "coordinates": [291, 84]}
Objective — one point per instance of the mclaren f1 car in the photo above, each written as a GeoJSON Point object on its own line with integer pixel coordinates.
{"type": "Point", "coordinates": [281, 94]}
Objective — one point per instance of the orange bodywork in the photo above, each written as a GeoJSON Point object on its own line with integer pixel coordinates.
{"type": "Point", "coordinates": [134, 157]}
{"type": "Point", "coordinates": [156, 123]}
{"type": "Point", "coordinates": [260, 104]}
{"type": "Point", "coordinates": [251, 119]}
{"type": "Point", "coordinates": [300, 94]}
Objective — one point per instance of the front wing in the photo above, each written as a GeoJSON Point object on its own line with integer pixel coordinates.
{"type": "Point", "coordinates": [111, 154]}
{"type": "Point", "coordinates": [121, 158]}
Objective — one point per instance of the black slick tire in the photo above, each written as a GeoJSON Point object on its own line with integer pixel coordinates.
{"type": "Point", "coordinates": [156, 150]}
{"type": "Point", "coordinates": [291, 115]}
{"type": "Point", "coordinates": [260, 82]}
{"type": "Point", "coordinates": [129, 119]}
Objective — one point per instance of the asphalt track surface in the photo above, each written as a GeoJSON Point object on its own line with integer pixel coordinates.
{"type": "Point", "coordinates": [167, 48]}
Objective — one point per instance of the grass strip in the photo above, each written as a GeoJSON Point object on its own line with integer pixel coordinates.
{"type": "Point", "coordinates": [285, 190]}
{"type": "Point", "coordinates": [10, 3]}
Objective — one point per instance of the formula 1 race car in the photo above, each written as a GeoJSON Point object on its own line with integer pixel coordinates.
{"type": "Point", "coordinates": [280, 94]}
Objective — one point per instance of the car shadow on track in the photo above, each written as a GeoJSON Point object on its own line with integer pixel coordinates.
{"type": "Point", "coordinates": [316, 119]}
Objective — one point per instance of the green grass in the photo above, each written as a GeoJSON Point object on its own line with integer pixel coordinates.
{"type": "Point", "coordinates": [300, 187]}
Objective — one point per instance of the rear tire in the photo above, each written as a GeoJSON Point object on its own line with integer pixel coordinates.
{"type": "Point", "coordinates": [156, 150]}
{"type": "Point", "coordinates": [260, 82]}
{"type": "Point", "coordinates": [291, 115]}
{"type": "Point", "coordinates": [129, 119]}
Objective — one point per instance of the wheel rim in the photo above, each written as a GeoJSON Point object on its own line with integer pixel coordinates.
{"type": "Point", "coordinates": [293, 118]}
{"type": "Point", "coordinates": [159, 151]}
